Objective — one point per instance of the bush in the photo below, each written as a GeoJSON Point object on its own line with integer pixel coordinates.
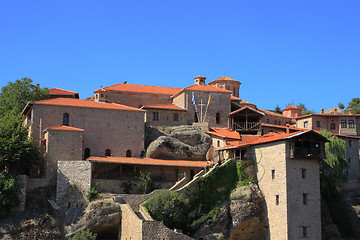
{"type": "Point", "coordinates": [126, 186]}
{"type": "Point", "coordinates": [169, 208]}
{"type": "Point", "coordinates": [206, 219]}
{"type": "Point", "coordinates": [84, 235]}
{"type": "Point", "coordinates": [92, 194]}
{"type": "Point", "coordinates": [146, 182]}
{"type": "Point", "coordinates": [8, 193]}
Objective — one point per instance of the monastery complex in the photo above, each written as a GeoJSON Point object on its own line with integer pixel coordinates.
{"type": "Point", "coordinates": [101, 141]}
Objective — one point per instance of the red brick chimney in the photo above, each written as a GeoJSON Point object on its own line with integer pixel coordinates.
{"type": "Point", "coordinates": [322, 111]}
{"type": "Point", "coordinates": [350, 111]}
{"type": "Point", "coordinates": [335, 110]}
{"type": "Point", "coordinates": [287, 128]}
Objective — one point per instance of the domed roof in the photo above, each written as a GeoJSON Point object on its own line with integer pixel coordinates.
{"type": "Point", "coordinates": [224, 78]}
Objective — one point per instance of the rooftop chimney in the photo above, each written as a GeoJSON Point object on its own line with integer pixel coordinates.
{"type": "Point", "coordinates": [287, 128]}
{"type": "Point", "coordinates": [199, 80]}
{"type": "Point", "coordinates": [322, 111]}
{"type": "Point", "coordinates": [38, 84]}
{"type": "Point", "coordinates": [350, 111]}
{"type": "Point", "coordinates": [335, 111]}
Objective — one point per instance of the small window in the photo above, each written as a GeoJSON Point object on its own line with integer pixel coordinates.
{"type": "Point", "coordinates": [318, 124]}
{"type": "Point", "coordinates": [267, 120]}
{"type": "Point", "coordinates": [332, 126]}
{"type": "Point", "coordinates": [142, 154]}
{"type": "Point", "coordinates": [176, 117]}
{"type": "Point", "coordinates": [217, 117]}
{"type": "Point", "coordinates": [305, 198]}
{"type": "Point", "coordinates": [273, 174]}
{"type": "Point", "coordinates": [275, 122]}
{"type": "Point", "coordinates": [279, 122]}
{"type": "Point", "coordinates": [86, 153]}
{"type": "Point", "coordinates": [155, 116]}
{"type": "Point", "coordinates": [351, 124]}
{"type": "Point", "coordinates": [303, 173]}
{"type": "Point", "coordinates": [350, 143]}
{"type": "Point", "coordinates": [277, 200]}
{"type": "Point", "coordinates": [349, 160]}
{"type": "Point", "coordinates": [102, 95]}
{"type": "Point", "coordinates": [196, 117]}
{"type": "Point", "coordinates": [128, 153]}
{"type": "Point", "coordinates": [108, 152]}
{"type": "Point", "coordinates": [343, 124]}
{"type": "Point", "coordinates": [306, 124]}
{"type": "Point", "coordinates": [304, 232]}
{"type": "Point", "coordinates": [218, 143]}
{"type": "Point", "coordinates": [66, 119]}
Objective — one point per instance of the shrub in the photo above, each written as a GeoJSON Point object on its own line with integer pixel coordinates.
{"type": "Point", "coordinates": [206, 219]}
{"type": "Point", "coordinates": [84, 235]}
{"type": "Point", "coordinates": [126, 186]}
{"type": "Point", "coordinates": [8, 193]}
{"type": "Point", "coordinates": [169, 207]}
{"type": "Point", "coordinates": [145, 182]}
{"type": "Point", "coordinates": [92, 194]}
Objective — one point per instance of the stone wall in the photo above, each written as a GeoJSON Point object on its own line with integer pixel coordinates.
{"type": "Point", "coordinates": [352, 157]}
{"type": "Point", "coordinates": [33, 183]}
{"type": "Point", "coordinates": [103, 128]}
{"type": "Point", "coordinates": [73, 181]}
{"type": "Point", "coordinates": [165, 117]}
{"type": "Point", "coordinates": [21, 193]}
{"type": "Point", "coordinates": [131, 224]}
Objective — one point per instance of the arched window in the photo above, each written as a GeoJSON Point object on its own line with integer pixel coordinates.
{"type": "Point", "coordinates": [128, 153]}
{"type": "Point", "coordinates": [108, 152]}
{"type": "Point", "coordinates": [86, 153]}
{"type": "Point", "coordinates": [66, 119]}
{"type": "Point", "coordinates": [217, 117]}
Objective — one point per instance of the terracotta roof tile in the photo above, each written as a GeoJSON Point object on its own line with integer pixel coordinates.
{"type": "Point", "coordinates": [65, 128]}
{"type": "Point", "coordinates": [328, 115]}
{"type": "Point", "coordinates": [122, 87]}
{"type": "Point", "coordinates": [283, 127]}
{"type": "Point", "coordinates": [224, 78]}
{"type": "Point", "coordinates": [72, 102]}
{"type": "Point", "coordinates": [224, 133]}
{"type": "Point", "coordinates": [206, 88]}
{"type": "Point", "coordinates": [149, 161]}
{"type": "Point", "coordinates": [165, 106]}
{"type": "Point", "coordinates": [59, 91]}
{"type": "Point", "coordinates": [273, 113]}
{"type": "Point", "coordinates": [291, 107]}
{"type": "Point", "coordinates": [235, 98]}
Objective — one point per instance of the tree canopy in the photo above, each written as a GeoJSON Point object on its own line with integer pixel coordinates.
{"type": "Point", "coordinates": [278, 110]}
{"type": "Point", "coordinates": [304, 111]}
{"type": "Point", "coordinates": [354, 105]}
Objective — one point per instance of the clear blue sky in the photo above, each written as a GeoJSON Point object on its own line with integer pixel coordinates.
{"type": "Point", "coordinates": [281, 51]}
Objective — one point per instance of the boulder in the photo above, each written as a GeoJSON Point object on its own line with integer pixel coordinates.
{"type": "Point", "coordinates": [182, 142]}
{"type": "Point", "coordinates": [102, 217]}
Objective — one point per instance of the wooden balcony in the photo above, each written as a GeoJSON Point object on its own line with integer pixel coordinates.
{"type": "Point", "coordinates": [246, 126]}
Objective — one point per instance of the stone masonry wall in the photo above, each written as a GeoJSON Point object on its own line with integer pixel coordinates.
{"type": "Point", "coordinates": [272, 157]}
{"type": "Point", "coordinates": [352, 157]}
{"type": "Point", "coordinates": [103, 128]}
{"type": "Point", "coordinates": [73, 180]}
{"type": "Point", "coordinates": [131, 224]}
{"type": "Point", "coordinates": [165, 117]}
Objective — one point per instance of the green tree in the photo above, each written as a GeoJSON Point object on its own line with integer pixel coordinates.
{"type": "Point", "coordinates": [8, 196]}
{"type": "Point", "coordinates": [305, 111]}
{"type": "Point", "coordinates": [341, 106]}
{"type": "Point", "coordinates": [16, 95]}
{"type": "Point", "coordinates": [354, 105]}
{"type": "Point", "coordinates": [84, 235]}
{"type": "Point", "coordinates": [146, 182]}
{"type": "Point", "coordinates": [278, 110]}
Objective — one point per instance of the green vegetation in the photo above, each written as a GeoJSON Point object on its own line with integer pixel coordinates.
{"type": "Point", "coordinates": [126, 186]}
{"type": "Point", "coordinates": [354, 105]}
{"type": "Point", "coordinates": [145, 182]}
{"type": "Point", "coordinates": [84, 235]}
{"type": "Point", "coordinates": [17, 153]}
{"type": "Point", "coordinates": [305, 111]}
{"type": "Point", "coordinates": [200, 199]}
{"type": "Point", "coordinates": [92, 194]}
{"type": "Point", "coordinates": [278, 110]}
{"type": "Point", "coordinates": [332, 177]}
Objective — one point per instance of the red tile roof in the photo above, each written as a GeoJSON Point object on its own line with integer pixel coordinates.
{"type": "Point", "coordinates": [267, 112]}
{"type": "Point", "coordinates": [283, 127]}
{"type": "Point", "coordinates": [122, 87]}
{"type": "Point", "coordinates": [59, 91]}
{"type": "Point", "coordinates": [224, 133]}
{"type": "Point", "coordinates": [72, 102]}
{"type": "Point", "coordinates": [235, 98]}
{"type": "Point", "coordinates": [149, 161]}
{"type": "Point", "coordinates": [224, 78]}
{"type": "Point", "coordinates": [291, 107]}
{"type": "Point", "coordinates": [206, 88]}
{"type": "Point", "coordinates": [165, 106]}
{"type": "Point", "coordinates": [328, 115]}
{"type": "Point", "coordinates": [65, 128]}
{"type": "Point", "coordinates": [247, 107]}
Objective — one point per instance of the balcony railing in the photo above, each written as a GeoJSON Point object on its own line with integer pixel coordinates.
{"type": "Point", "coordinates": [246, 125]}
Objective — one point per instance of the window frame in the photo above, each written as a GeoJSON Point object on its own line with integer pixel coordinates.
{"type": "Point", "coordinates": [155, 116]}
{"type": "Point", "coordinates": [343, 124]}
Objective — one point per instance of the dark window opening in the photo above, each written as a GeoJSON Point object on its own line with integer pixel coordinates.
{"type": "Point", "coordinates": [318, 124]}
{"type": "Point", "coordinates": [351, 124]}
{"type": "Point", "coordinates": [192, 174]}
{"type": "Point", "coordinates": [332, 126]}
{"type": "Point", "coordinates": [277, 199]}
{"type": "Point", "coordinates": [217, 117]}
{"type": "Point", "coordinates": [304, 232]}
{"type": "Point", "coordinates": [66, 119]}
{"type": "Point", "coordinates": [218, 143]}
{"type": "Point", "coordinates": [107, 152]}
{"type": "Point", "coordinates": [176, 117]}
{"type": "Point", "coordinates": [350, 143]}
{"type": "Point", "coordinates": [349, 160]}
{"type": "Point", "coordinates": [267, 120]}
{"type": "Point", "coordinates": [305, 199]}
{"type": "Point", "coordinates": [273, 174]}
{"type": "Point", "coordinates": [303, 173]}
{"type": "Point", "coordinates": [128, 153]}
{"type": "Point", "coordinates": [102, 95]}
{"type": "Point", "coordinates": [343, 124]}
{"type": "Point", "coordinates": [306, 124]}
{"type": "Point", "coordinates": [142, 154]}
{"type": "Point", "coordinates": [155, 116]}
{"type": "Point", "coordinates": [196, 117]}
{"type": "Point", "coordinates": [86, 153]}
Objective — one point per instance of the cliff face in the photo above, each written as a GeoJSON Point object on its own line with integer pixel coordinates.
{"type": "Point", "coordinates": [240, 218]}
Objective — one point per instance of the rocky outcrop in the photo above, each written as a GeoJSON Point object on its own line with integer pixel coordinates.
{"type": "Point", "coordinates": [182, 142]}
{"type": "Point", "coordinates": [240, 218]}
{"type": "Point", "coordinates": [102, 217]}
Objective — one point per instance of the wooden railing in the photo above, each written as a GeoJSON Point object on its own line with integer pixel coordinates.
{"type": "Point", "coordinates": [246, 125]}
